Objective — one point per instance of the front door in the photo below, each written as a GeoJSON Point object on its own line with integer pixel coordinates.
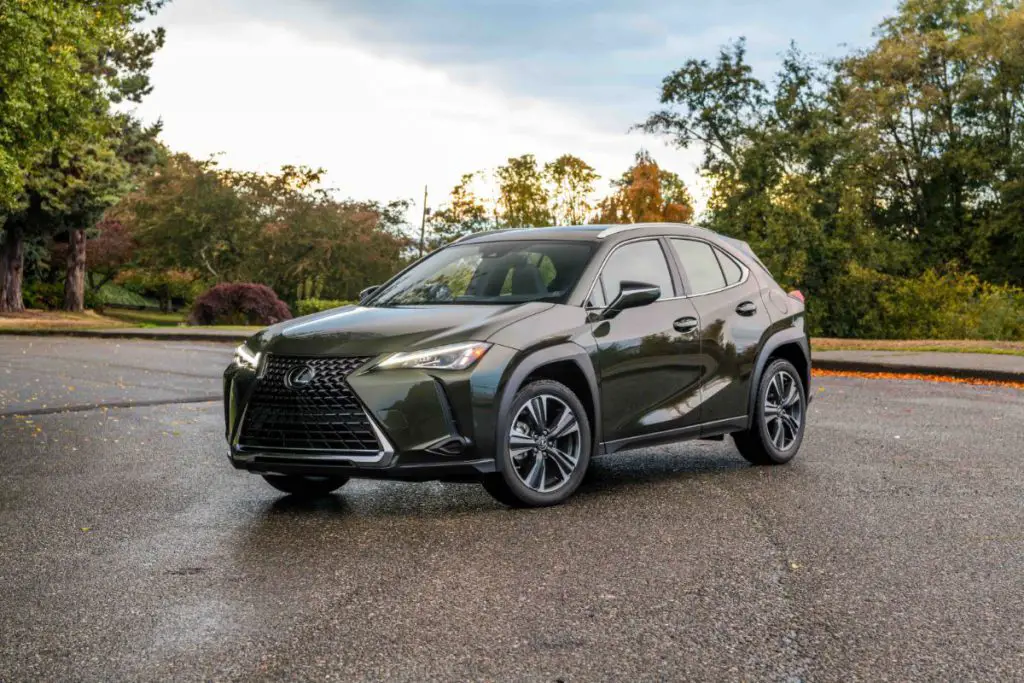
{"type": "Point", "coordinates": [648, 358]}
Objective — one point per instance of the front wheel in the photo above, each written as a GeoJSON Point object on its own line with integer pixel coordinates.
{"type": "Point", "coordinates": [544, 450]}
{"type": "Point", "coordinates": [305, 487]}
{"type": "Point", "coordinates": [780, 413]}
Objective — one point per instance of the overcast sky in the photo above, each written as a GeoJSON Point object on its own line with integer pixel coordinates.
{"type": "Point", "coordinates": [389, 95]}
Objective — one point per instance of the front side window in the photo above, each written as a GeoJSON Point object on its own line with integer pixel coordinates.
{"type": "Point", "coordinates": [636, 261]}
{"type": "Point", "coordinates": [490, 273]}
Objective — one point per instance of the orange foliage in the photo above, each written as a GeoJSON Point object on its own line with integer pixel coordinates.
{"type": "Point", "coordinates": [913, 376]}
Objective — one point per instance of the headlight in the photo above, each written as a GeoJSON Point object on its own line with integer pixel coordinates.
{"type": "Point", "coordinates": [452, 357]}
{"type": "Point", "coordinates": [244, 358]}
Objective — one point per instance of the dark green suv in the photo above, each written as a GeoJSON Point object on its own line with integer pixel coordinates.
{"type": "Point", "coordinates": [513, 357]}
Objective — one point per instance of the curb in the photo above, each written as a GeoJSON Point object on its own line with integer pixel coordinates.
{"type": "Point", "coordinates": [900, 368]}
{"type": "Point", "coordinates": [142, 333]}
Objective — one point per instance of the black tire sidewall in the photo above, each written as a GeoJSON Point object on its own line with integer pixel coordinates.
{"type": "Point", "coordinates": [511, 480]}
{"type": "Point", "coordinates": [761, 429]}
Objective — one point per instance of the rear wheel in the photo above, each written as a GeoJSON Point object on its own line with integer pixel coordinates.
{"type": "Point", "coordinates": [544, 450]}
{"type": "Point", "coordinates": [305, 487]}
{"type": "Point", "coordinates": [779, 417]}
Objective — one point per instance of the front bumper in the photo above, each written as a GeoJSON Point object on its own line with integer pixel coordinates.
{"type": "Point", "coordinates": [429, 426]}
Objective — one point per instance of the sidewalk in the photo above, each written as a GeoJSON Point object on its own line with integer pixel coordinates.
{"type": "Point", "coordinates": [1006, 368]}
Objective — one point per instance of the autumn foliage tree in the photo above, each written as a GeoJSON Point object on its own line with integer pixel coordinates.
{"type": "Point", "coordinates": [646, 194]}
{"type": "Point", "coordinates": [464, 213]}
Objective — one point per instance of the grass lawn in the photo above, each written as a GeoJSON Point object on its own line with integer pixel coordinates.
{"type": "Point", "coordinates": [145, 318]}
{"type": "Point", "coordinates": [90, 320]}
{"type": "Point", "coordinates": [1010, 348]}
{"type": "Point", "coordinates": [56, 320]}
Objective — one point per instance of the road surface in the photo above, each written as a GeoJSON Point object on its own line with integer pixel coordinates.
{"type": "Point", "coordinates": [892, 548]}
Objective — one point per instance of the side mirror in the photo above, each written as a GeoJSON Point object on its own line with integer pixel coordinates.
{"type": "Point", "coordinates": [631, 295]}
{"type": "Point", "coordinates": [368, 291]}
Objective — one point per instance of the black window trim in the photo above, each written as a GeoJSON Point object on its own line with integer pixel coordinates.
{"type": "Point", "coordinates": [714, 248]}
{"type": "Point", "coordinates": [675, 274]}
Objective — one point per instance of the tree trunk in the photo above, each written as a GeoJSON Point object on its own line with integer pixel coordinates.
{"type": "Point", "coordinates": [74, 281]}
{"type": "Point", "coordinates": [12, 265]}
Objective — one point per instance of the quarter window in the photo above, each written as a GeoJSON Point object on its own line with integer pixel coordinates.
{"type": "Point", "coordinates": [701, 265]}
{"type": "Point", "coordinates": [636, 261]}
{"type": "Point", "coordinates": [733, 271]}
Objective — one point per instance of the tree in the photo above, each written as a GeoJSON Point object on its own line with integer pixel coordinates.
{"type": "Point", "coordinates": [862, 172]}
{"type": "Point", "coordinates": [522, 199]}
{"type": "Point", "coordinates": [62, 65]}
{"type": "Point", "coordinates": [278, 229]}
{"type": "Point", "coordinates": [572, 181]}
{"type": "Point", "coordinates": [646, 194]}
{"type": "Point", "coordinates": [464, 214]}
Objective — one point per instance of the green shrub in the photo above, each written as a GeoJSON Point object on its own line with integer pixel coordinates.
{"type": "Point", "coordinates": [952, 304]}
{"type": "Point", "coordinates": [310, 306]}
{"type": "Point", "coordinates": [44, 295]}
{"type": "Point", "coordinates": [111, 294]}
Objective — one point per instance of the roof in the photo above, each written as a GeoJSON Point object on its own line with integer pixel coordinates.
{"type": "Point", "coordinates": [594, 233]}
{"type": "Point", "coordinates": [570, 232]}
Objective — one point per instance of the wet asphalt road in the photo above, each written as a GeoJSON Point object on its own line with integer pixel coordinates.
{"type": "Point", "coordinates": [891, 549]}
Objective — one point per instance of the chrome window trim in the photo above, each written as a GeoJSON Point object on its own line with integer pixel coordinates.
{"type": "Point", "coordinates": [743, 268]}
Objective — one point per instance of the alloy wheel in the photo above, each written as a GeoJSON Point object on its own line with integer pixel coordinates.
{"type": "Point", "coordinates": [783, 412]}
{"type": "Point", "coordinates": [544, 443]}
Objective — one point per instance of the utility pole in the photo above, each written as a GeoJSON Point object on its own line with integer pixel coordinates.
{"type": "Point", "coordinates": [423, 222]}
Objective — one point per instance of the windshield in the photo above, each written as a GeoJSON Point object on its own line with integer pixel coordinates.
{"type": "Point", "coordinates": [490, 273]}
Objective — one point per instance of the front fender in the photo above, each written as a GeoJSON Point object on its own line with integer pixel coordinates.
{"type": "Point", "coordinates": [490, 423]}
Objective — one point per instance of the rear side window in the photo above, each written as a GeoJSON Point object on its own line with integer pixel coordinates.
{"type": "Point", "coordinates": [636, 261]}
{"type": "Point", "coordinates": [700, 264]}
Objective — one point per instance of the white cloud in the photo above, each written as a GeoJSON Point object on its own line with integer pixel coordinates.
{"type": "Point", "coordinates": [265, 95]}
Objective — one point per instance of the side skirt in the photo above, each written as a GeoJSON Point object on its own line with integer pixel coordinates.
{"type": "Point", "coordinates": [713, 429]}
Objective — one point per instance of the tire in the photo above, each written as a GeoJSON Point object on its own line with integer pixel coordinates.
{"type": "Point", "coordinates": [305, 487]}
{"type": "Point", "coordinates": [774, 439]}
{"type": "Point", "coordinates": [541, 464]}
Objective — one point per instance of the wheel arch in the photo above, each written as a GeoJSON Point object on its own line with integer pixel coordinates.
{"type": "Point", "coordinates": [790, 344]}
{"type": "Point", "coordinates": [566, 363]}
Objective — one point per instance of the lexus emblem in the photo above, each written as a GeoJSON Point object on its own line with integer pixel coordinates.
{"type": "Point", "coordinates": [299, 376]}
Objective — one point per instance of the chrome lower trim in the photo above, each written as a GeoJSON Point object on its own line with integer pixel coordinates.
{"type": "Point", "coordinates": [240, 454]}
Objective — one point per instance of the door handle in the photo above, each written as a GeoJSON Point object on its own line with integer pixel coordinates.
{"type": "Point", "coordinates": [685, 325]}
{"type": "Point", "coordinates": [746, 308]}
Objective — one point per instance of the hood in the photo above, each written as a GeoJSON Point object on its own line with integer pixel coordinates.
{"type": "Point", "coordinates": [368, 331]}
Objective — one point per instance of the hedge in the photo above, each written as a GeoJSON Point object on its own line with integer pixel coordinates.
{"type": "Point", "coordinates": [310, 306]}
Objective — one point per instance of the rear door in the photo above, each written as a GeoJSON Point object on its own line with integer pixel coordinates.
{"type": "Point", "coordinates": [732, 320]}
{"type": "Point", "coordinates": [647, 357]}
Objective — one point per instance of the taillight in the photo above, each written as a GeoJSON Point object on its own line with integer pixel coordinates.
{"type": "Point", "coordinates": [798, 295]}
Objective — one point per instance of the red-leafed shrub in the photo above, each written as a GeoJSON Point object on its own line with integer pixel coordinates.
{"type": "Point", "coordinates": [239, 303]}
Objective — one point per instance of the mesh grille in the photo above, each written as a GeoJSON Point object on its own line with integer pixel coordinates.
{"type": "Point", "coordinates": [323, 415]}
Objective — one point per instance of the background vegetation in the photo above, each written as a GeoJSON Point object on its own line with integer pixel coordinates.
{"type": "Point", "coordinates": [887, 184]}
